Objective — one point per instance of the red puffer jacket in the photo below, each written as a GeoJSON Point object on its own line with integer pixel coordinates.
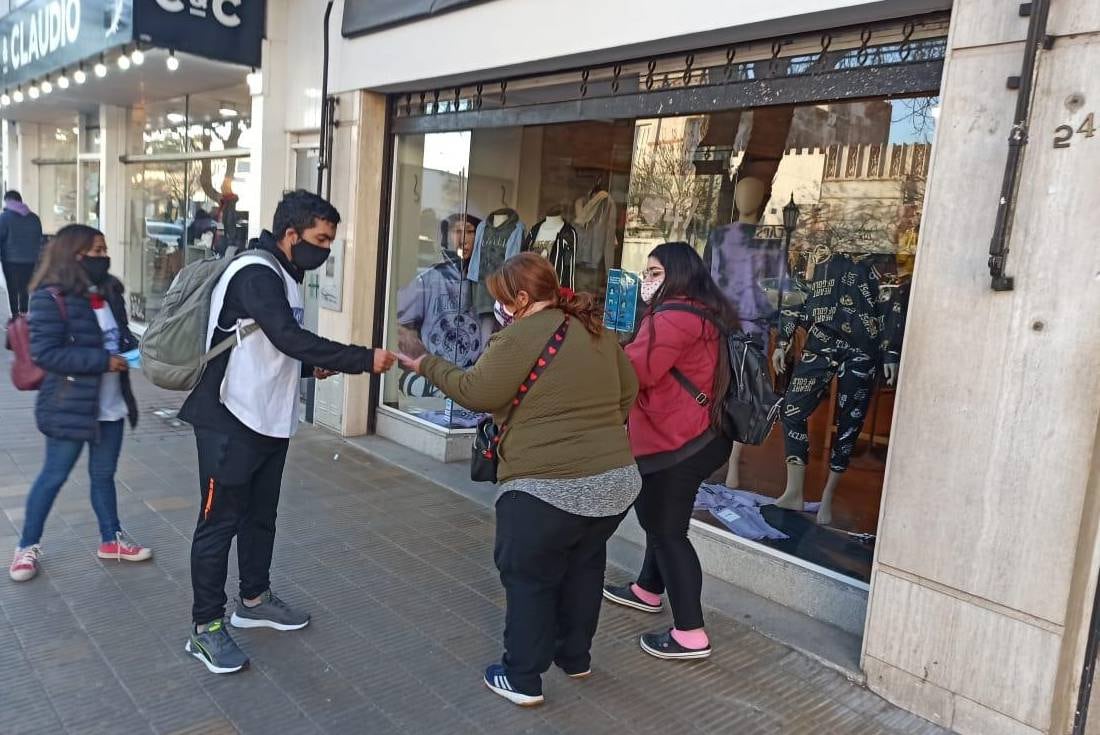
{"type": "Point", "coordinates": [665, 416]}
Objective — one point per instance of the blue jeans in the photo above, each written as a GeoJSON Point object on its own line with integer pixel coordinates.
{"type": "Point", "coordinates": [61, 456]}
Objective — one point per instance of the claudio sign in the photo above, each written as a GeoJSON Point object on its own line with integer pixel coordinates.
{"type": "Point", "coordinates": [42, 36]}
{"type": "Point", "coordinates": [48, 29]}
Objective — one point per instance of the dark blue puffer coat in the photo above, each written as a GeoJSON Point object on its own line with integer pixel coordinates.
{"type": "Point", "coordinates": [71, 352]}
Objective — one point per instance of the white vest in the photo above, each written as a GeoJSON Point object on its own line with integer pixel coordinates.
{"type": "Point", "coordinates": [261, 384]}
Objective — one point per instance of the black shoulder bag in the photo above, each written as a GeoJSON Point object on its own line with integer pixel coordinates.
{"type": "Point", "coordinates": [485, 454]}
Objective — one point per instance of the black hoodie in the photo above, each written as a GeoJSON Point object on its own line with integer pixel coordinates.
{"type": "Point", "coordinates": [258, 292]}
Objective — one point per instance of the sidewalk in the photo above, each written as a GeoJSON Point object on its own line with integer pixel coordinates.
{"type": "Point", "coordinates": [407, 611]}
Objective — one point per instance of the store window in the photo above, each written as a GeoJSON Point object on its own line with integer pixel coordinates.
{"type": "Point", "coordinates": [57, 175]}
{"type": "Point", "coordinates": [466, 200]}
{"type": "Point", "coordinates": [188, 167]}
{"type": "Point", "coordinates": [831, 294]}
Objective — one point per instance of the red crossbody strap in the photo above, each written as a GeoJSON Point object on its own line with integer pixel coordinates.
{"type": "Point", "coordinates": [549, 352]}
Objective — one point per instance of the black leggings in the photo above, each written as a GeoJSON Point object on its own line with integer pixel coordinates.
{"type": "Point", "coordinates": [664, 509]}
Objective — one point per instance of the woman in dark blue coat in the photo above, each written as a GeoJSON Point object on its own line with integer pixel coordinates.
{"type": "Point", "coordinates": [78, 331]}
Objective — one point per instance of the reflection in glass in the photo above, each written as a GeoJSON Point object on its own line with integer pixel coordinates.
{"type": "Point", "coordinates": [433, 304]}
{"type": "Point", "coordinates": [187, 208]}
{"type": "Point", "coordinates": [857, 173]}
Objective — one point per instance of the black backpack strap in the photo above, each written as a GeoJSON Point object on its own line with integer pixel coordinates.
{"type": "Point", "coordinates": [700, 397]}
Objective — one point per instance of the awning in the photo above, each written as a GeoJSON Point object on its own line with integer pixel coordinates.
{"type": "Point", "coordinates": [366, 16]}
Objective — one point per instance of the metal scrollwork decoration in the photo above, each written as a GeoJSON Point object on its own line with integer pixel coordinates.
{"type": "Point", "coordinates": [503, 92]}
{"type": "Point", "coordinates": [423, 103]}
{"type": "Point", "coordinates": [616, 73]}
{"type": "Point", "coordinates": [435, 101]}
{"type": "Point", "coordinates": [652, 67]}
{"type": "Point", "coordinates": [408, 104]}
{"type": "Point", "coordinates": [478, 99]}
{"type": "Point", "coordinates": [458, 97]}
{"type": "Point", "coordinates": [864, 52]}
{"type": "Point", "coordinates": [689, 62]}
{"type": "Point", "coordinates": [905, 49]}
{"type": "Point", "coordinates": [731, 54]}
{"type": "Point", "coordinates": [584, 82]}
{"type": "Point", "coordinates": [823, 57]}
{"type": "Point", "coordinates": [773, 63]}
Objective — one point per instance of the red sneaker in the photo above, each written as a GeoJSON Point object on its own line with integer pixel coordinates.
{"type": "Point", "coordinates": [24, 565]}
{"type": "Point", "coordinates": [123, 548]}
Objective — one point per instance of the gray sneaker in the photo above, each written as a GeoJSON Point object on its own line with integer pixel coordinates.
{"type": "Point", "coordinates": [216, 649]}
{"type": "Point", "coordinates": [270, 613]}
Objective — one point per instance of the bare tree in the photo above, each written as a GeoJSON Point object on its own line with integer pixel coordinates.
{"type": "Point", "coordinates": [666, 188]}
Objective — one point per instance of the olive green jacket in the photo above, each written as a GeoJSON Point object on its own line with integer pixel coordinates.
{"type": "Point", "coordinates": [572, 421]}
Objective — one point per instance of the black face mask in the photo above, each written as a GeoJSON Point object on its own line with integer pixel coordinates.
{"type": "Point", "coordinates": [97, 268]}
{"type": "Point", "coordinates": [308, 256]}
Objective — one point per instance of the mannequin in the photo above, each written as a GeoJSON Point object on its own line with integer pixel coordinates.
{"type": "Point", "coordinates": [595, 219]}
{"type": "Point", "coordinates": [844, 316]}
{"type": "Point", "coordinates": [748, 195]}
{"type": "Point", "coordinates": [543, 234]}
{"type": "Point", "coordinates": [498, 238]}
{"type": "Point", "coordinates": [556, 240]}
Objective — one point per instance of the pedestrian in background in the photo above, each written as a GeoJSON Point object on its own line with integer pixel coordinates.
{"type": "Point", "coordinates": [676, 438]}
{"type": "Point", "coordinates": [20, 246]}
{"type": "Point", "coordinates": [78, 330]}
{"type": "Point", "coordinates": [566, 472]}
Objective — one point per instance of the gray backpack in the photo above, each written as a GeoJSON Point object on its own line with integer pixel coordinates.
{"type": "Point", "coordinates": [174, 349]}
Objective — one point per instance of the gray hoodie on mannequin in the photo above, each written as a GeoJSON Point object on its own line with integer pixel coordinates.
{"type": "Point", "coordinates": [595, 221]}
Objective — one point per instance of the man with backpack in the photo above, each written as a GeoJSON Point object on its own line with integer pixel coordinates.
{"type": "Point", "coordinates": [244, 410]}
{"type": "Point", "coordinates": [20, 246]}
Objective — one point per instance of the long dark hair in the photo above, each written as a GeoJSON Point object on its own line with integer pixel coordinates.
{"type": "Point", "coordinates": [687, 278]}
{"type": "Point", "coordinates": [533, 273]}
{"type": "Point", "coordinates": [59, 265]}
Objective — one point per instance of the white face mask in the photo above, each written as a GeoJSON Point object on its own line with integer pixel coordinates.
{"type": "Point", "coordinates": [650, 287]}
{"type": "Point", "coordinates": [504, 318]}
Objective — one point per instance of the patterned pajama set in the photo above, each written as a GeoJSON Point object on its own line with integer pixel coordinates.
{"type": "Point", "coordinates": [844, 317]}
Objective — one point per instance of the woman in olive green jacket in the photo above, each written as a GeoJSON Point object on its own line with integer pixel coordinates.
{"type": "Point", "coordinates": [566, 472]}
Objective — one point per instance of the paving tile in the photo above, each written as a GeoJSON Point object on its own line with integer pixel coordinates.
{"type": "Point", "coordinates": [407, 610]}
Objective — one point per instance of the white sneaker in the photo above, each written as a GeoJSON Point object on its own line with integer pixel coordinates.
{"type": "Point", "coordinates": [24, 565]}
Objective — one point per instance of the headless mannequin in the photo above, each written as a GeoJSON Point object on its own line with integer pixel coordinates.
{"type": "Point", "coordinates": [793, 497]}
{"type": "Point", "coordinates": [749, 197]}
{"type": "Point", "coordinates": [548, 233]}
{"type": "Point", "coordinates": [499, 219]}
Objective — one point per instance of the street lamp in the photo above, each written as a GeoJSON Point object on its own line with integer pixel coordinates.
{"type": "Point", "coordinates": [790, 221]}
{"type": "Point", "coordinates": [790, 218]}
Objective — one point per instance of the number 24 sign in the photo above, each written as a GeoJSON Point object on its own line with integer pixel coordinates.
{"type": "Point", "coordinates": [1063, 134]}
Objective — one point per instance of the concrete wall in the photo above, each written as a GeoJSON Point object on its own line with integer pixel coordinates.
{"type": "Point", "coordinates": [987, 550]}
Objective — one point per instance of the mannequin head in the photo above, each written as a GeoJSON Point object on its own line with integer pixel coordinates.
{"type": "Point", "coordinates": [749, 197]}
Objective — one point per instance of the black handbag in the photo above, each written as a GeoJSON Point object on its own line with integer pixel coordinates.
{"type": "Point", "coordinates": [485, 454]}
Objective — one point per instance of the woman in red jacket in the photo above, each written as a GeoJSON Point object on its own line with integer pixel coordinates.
{"type": "Point", "coordinates": [676, 437]}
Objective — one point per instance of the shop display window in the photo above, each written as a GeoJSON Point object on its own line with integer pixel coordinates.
{"type": "Point", "coordinates": [184, 203]}
{"type": "Point", "coordinates": [807, 217]}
